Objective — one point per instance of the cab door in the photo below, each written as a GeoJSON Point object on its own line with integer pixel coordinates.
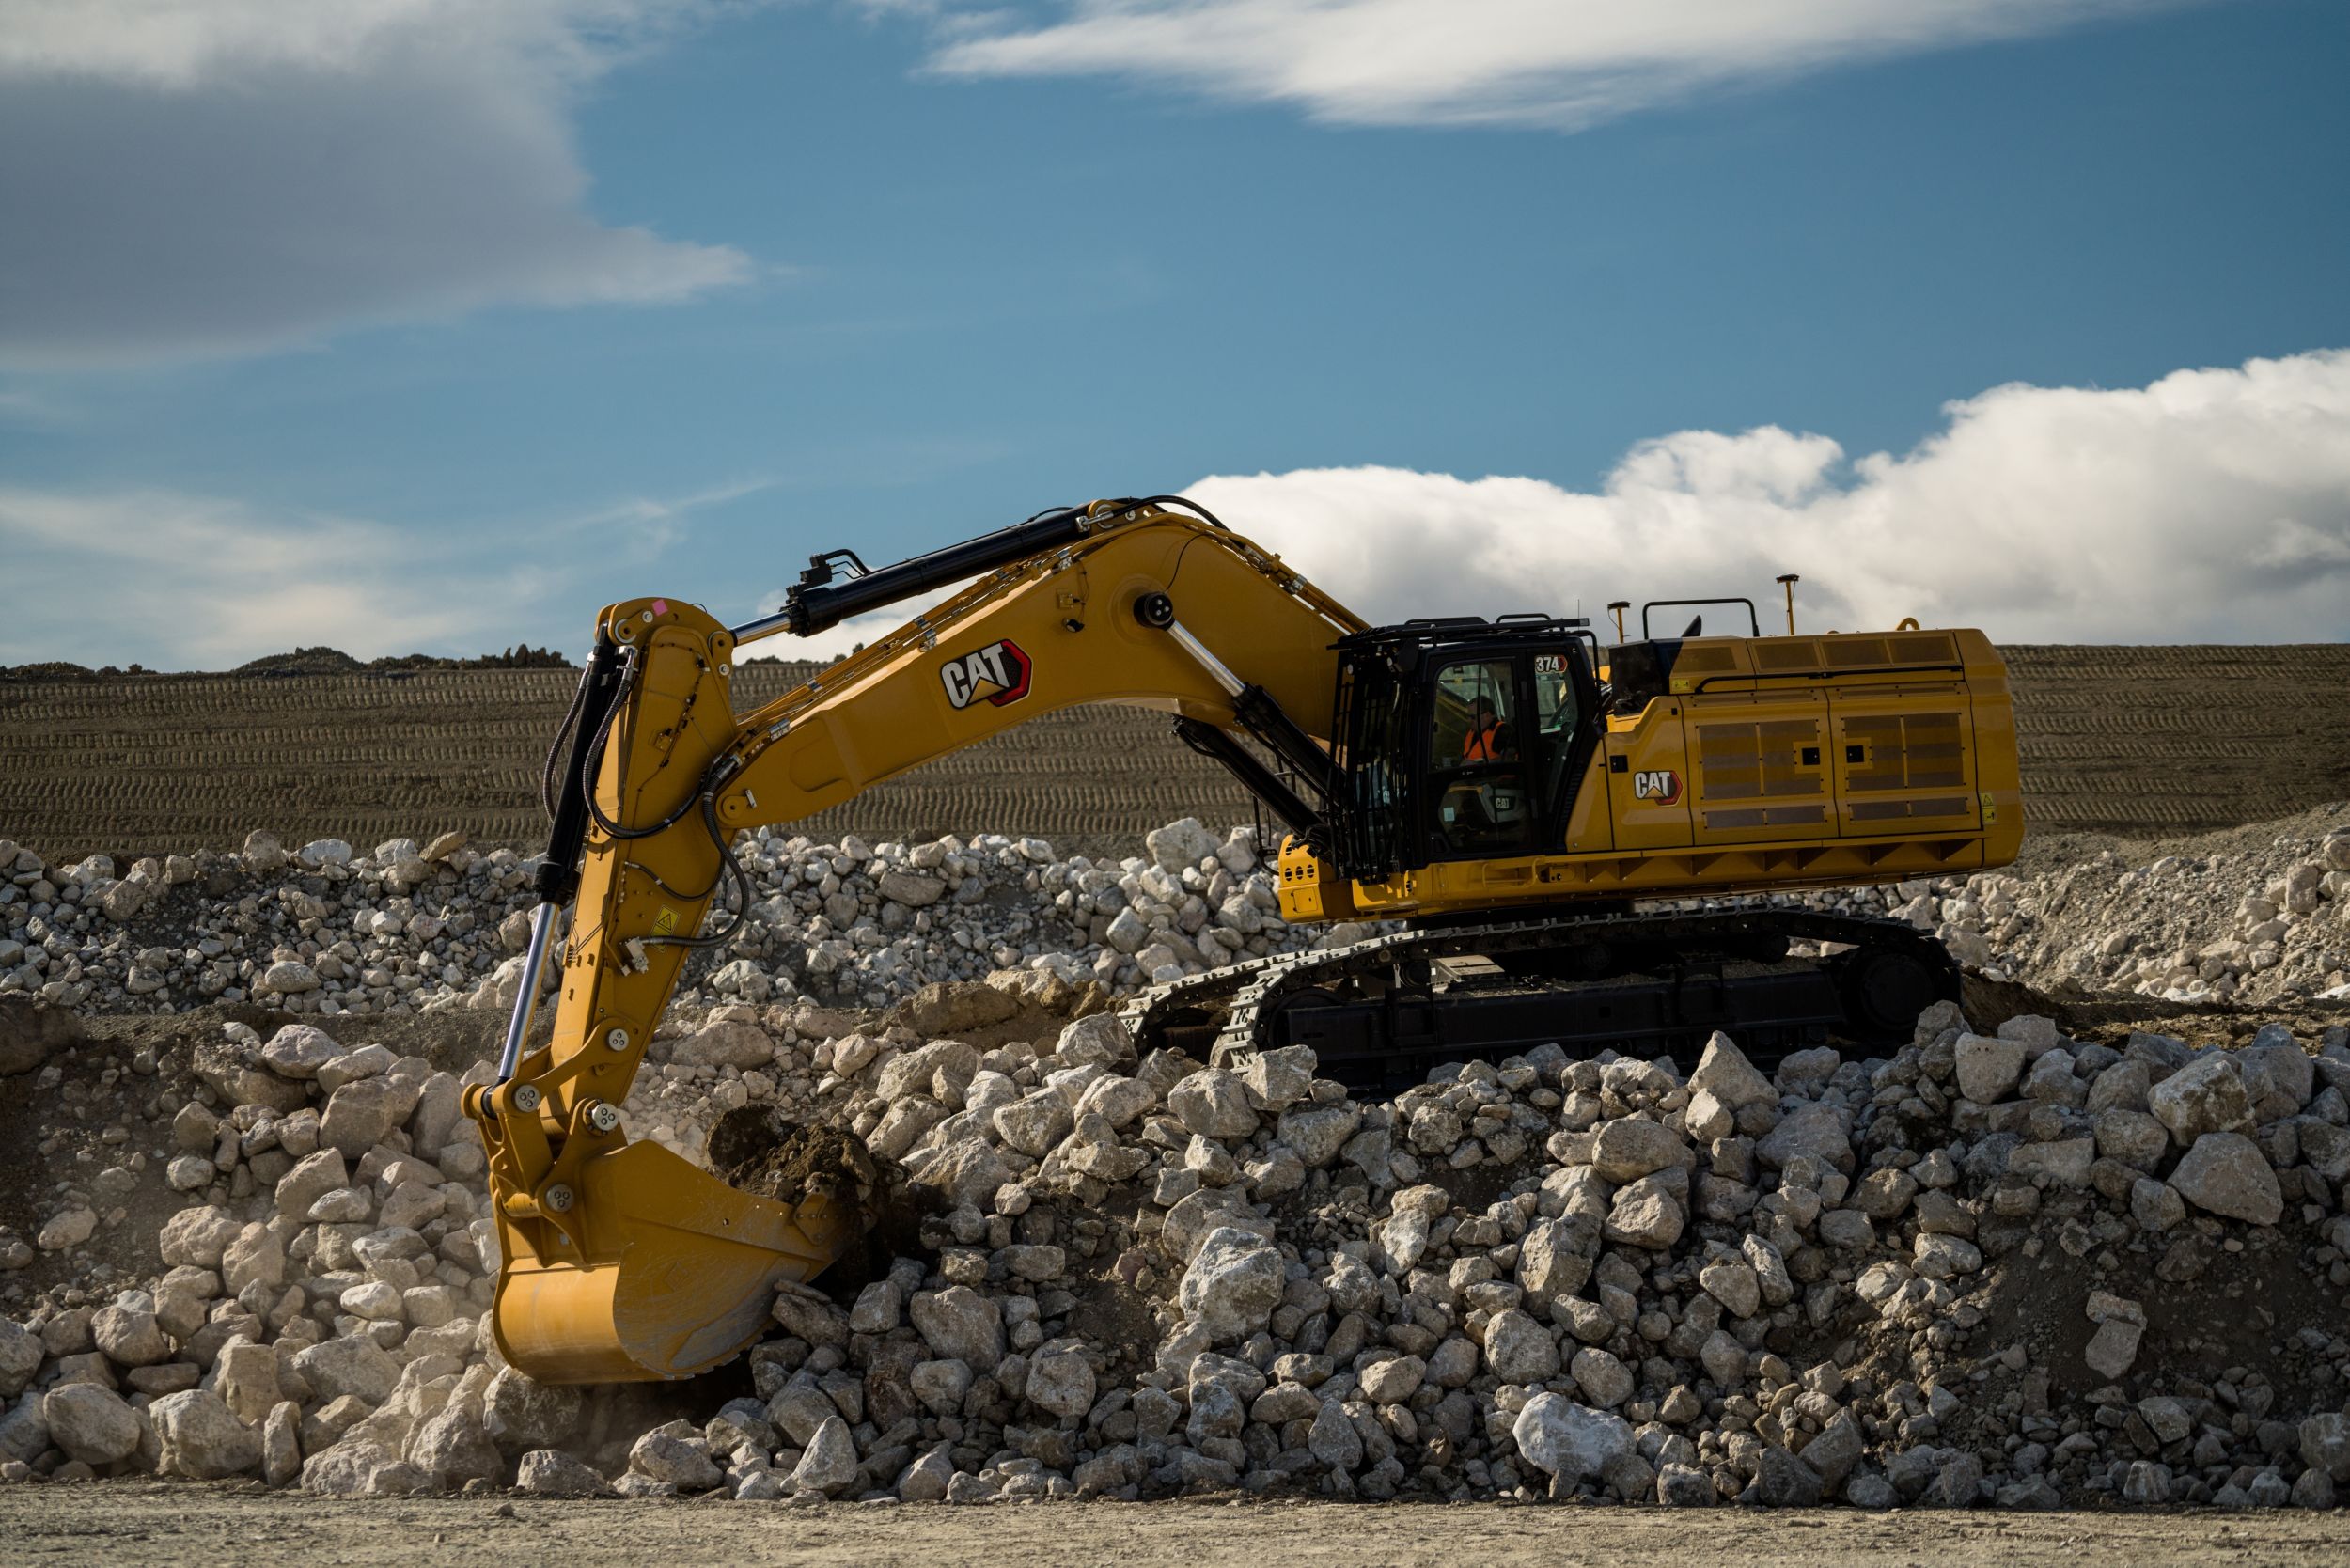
{"type": "Point", "coordinates": [1481, 784]}
{"type": "Point", "coordinates": [1570, 771]}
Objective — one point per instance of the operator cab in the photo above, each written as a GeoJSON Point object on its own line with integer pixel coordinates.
{"type": "Point", "coordinates": [1461, 739]}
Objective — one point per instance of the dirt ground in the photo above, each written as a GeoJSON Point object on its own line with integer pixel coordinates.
{"type": "Point", "coordinates": [2145, 742]}
{"type": "Point", "coordinates": [132, 1525]}
{"type": "Point", "coordinates": [157, 764]}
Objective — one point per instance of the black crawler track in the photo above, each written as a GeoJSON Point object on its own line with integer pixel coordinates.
{"type": "Point", "coordinates": [1382, 1011]}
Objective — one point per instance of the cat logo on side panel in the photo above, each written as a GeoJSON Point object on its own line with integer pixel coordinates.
{"type": "Point", "coordinates": [1659, 785]}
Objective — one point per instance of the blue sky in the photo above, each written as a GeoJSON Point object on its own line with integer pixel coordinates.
{"type": "Point", "coordinates": [892, 303]}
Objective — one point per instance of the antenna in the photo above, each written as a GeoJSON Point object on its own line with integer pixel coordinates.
{"type": "Point", "coordinates": [1616, 607]}
{"type": "Point", "coordinates": [1788, 581]}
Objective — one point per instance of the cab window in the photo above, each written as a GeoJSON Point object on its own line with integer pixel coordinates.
{"type": "Point", "coordinates": [1555, 721]}
{"type": "Point", "coordinates": [1476, 756]}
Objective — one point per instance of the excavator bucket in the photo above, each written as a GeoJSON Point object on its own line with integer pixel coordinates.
{"type": "Point", "coordinates": [681, 1272]}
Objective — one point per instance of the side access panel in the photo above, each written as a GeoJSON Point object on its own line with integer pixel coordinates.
{"type": "Point", "coordinates": [1648, 779]}
{"type": "Point", "coordinates": [1904, 760]}
{"type": "Point", "coordinates": [1762, 768]}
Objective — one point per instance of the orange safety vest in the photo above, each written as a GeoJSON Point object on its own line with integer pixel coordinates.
{"type": "Point", "coordinates": [1482, 744]}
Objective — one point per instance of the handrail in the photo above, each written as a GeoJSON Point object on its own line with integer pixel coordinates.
{"type": "Point", "coordinates": [1825, 674]}
{"type": "Point", "coordinates": [1754, 622]}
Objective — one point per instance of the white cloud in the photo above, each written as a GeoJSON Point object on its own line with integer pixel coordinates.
{"type": "Point", "coordinates": [2213, 505]}
{"type": "Point", "coordinates": [185, 177]}
{"type": "Point", "coordinates": [178, 581]}
{"type": "Point", "coordinates": [1566, 63]}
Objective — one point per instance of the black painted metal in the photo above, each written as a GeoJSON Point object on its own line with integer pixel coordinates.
{"type": "Point", "coordinates": [816, 601]}
{"type": "Point", "coordinates": [1666, 982]}
{"type": "Point", "coordinates": [558, 874]}
{"type": "Point", "coordinates": [1257, 779]}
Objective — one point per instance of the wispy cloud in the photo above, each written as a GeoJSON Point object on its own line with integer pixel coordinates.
{"type": "Point", "coordinates": [202, 582]}
{"type": "Point", "coordinates": [1470, 62]}
{"type": "Point", "coordinates": [191, 178]}
{"type": "Point", "coordinates": [193, 581]}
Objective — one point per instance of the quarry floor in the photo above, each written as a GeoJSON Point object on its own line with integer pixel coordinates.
{"type": "Point", "coordinates": [129, 1525]}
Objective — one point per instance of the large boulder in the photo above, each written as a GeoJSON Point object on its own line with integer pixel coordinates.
{"type": "Point", "coordinates": [1033, 1124]}
{"type": "Point", "coordinates": [1556, 1258]}
{"type": "Point", "coordinates": [299, 1050]}
{"type": "Point", "coordinates": [960, 1324]}
{"type": "Point", "coordinates": [1628, 1148]}
{"type": "Point", "coordinates": [360, 1113]}
{"type": "Point", "coordinates": [315, 1175]}
{"type": "Point", "coordinates": [1822, 1131]}
{"type": "Point", "coordinates": [91, 1423]}
{"type": "Point", "coordinates": [2226, 1174]}
{"type": "Point", "coordinates": [1646, 1214]}
{"type": "Point", "coordinates": [450, 1445]}
{"type": "Point", "coordinates": [683, 1463]}
{"type": "Point", "coordinates": [552, 1473]}
{"type": "Point", "coordinates": [195, 1238]}
{"type": "Point", "coordinates": [24, 1430]}
{"type": "Point", "coordinates": [1725, 1073]}
{"type": "Point", "coordinates": [1519, 1350]}
{"type": "Point", "coordinates": [21, 1353]}
{"type": "Point", "coordinates": [130, 1336]}
{"type": "Point", "coordinates": [352, 1365]}
{"type": "Point", "coordinates": [1233, 1284]}
{"type": "Point", "coordinates": [1060, 1380]}
{"type": "Point", "coordinates": [917, 1070]}
{"type": "Point", "coordinates": [1213, 1103]}
{"type": "Point", "coordinates": [236, 1073]}
{"type": "Point", "coordinates": [519, 1413]}
{"type": "Point", "coordinates": [1568, 1440]}
{"type": "Point", "coordinates": [1098, 1037]}
{"type": "Point", "coordinates": [829, 1463]}
{"type": "Point", "coordinates": [948, 1008]}
{"type": "Point", "coordinates": [1988, 1067]}
{"type": "Point", "coordinates": [730, 1043]}
{"type": "Point", "coordinates": [2207, 1095]}
{"type": "Point", "coordinates": [198, 1437]}
{"type": "Point", "coordinates": [1318, 1132]}
{"type": "Point", "coordinates": [1180, 844]}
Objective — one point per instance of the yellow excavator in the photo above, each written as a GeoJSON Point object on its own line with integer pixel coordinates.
{"type": "Point", "coordinates": [1538, 824]}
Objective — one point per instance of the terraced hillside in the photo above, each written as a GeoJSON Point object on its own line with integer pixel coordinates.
{"type": "Point", "coordinates": [2134, 741]}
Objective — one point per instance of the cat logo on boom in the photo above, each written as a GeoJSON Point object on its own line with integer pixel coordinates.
{"type": "Point", "coordinates": [997, 674]}
{"type": "Point", "coordinates": [1661, 785]}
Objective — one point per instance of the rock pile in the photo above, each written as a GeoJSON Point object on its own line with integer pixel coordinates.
{"type": "Point", "coordinates": [2011, 1268]}
{"type": "Point", "coordinates": [322, 931]}
{"type": "Point", "coordinates": [2255, 925]}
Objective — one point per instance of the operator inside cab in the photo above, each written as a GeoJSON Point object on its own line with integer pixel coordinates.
{"type": "Point", "coordinates": [1488, 740]}
{"type": "Point", "coordinates": [1483, 806]}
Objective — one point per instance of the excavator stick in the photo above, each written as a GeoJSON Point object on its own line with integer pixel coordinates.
{"type": "Point", "coordinates": [622, 1262]}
